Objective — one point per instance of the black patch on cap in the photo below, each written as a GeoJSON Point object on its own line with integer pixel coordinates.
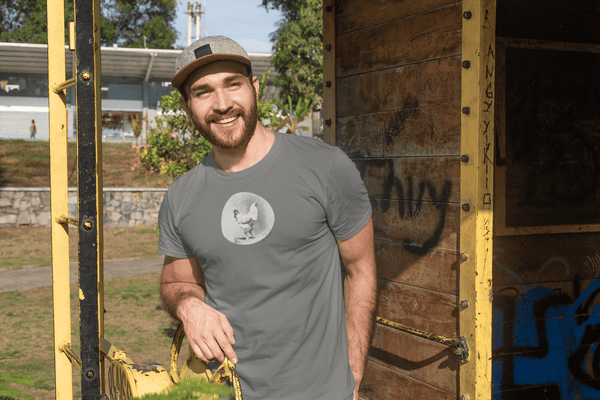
{"type": "Point", "coordinates": [203, 51]}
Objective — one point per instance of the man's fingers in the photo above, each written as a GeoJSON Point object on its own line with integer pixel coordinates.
{"type": "Point", "coordinates": [227, 329]}
{"type": "Point", "coordinates": [202, 352]}
{"type": "Point", "coordinates": [225, 345]}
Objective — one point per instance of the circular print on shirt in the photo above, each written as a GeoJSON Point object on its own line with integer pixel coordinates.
{"type": "Point", "coordinates": [247, 218]}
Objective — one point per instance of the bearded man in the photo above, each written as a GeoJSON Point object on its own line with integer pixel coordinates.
{"type": "Point", "coordinates": [274, 303]}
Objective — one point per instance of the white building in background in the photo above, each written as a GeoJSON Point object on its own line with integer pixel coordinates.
{"type": "Point", "coordinates": [133, 82]}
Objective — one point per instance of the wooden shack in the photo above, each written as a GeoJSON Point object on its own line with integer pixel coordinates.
{"type": "Point", "coordinates": [476, 127]}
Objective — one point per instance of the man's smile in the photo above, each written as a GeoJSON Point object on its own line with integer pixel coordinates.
{"type": "Point", "coordinates": [226, 120]}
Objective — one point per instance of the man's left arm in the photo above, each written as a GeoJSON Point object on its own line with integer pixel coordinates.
{"type": "Point", "coordinates": [360, 295]}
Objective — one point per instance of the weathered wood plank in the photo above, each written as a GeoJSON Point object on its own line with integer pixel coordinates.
{"type": "Point", "coordinates": [536, 259]}
{"type": "Point", "coordinates": [357, 14]}
{"type": "Point", "coordinates": [434, 270]}
{"type": "Point", "coordinates": [421, 225]}
{"type": "Point", "coordinates": [426, 36]}
{"type": "Point", "coordinates": [413, 86]}
{"type": "Point", "coordinates": [424, 131]}
{"type": "Point", "coordinates": [381, 383]}
{"type": "Point", "coordinates": [412, 178]}
{"type": "Point", "coordinates": [422, 359]}
{"type": "Point", "coordinates": [427, 310]}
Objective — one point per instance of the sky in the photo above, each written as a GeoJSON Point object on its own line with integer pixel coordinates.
{"type": "Point", "coordinates": [244, 21]}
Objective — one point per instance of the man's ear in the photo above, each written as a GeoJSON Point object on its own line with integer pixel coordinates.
{"type": "Point", "coordinates": [256, 84]}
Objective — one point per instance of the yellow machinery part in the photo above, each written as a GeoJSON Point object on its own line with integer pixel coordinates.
{"type": "Point", "coordinates": [127, 379]}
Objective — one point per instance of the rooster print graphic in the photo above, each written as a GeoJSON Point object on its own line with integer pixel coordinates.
{"type": "Point", "coordinates": [247, 218]}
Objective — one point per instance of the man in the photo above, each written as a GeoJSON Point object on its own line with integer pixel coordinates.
{"type": "Point", "coordinates": [272, 303]}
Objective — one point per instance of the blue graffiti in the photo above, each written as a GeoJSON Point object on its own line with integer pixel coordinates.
{"type": "Point", "coordinates": [546, 345]}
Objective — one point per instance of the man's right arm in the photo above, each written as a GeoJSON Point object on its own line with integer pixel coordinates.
{"type": "Point", "coordinates": [183, 291]}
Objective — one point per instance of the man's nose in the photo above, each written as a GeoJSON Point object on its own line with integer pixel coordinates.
{"type": "Point", "coordinates": [221, 101]}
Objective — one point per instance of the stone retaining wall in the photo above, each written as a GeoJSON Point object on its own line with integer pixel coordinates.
{"type": "Point", "coordinates": [122, 207]}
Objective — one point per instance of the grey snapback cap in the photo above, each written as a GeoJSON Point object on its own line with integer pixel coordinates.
{"type": "Point", "coordinates": [205, 51]}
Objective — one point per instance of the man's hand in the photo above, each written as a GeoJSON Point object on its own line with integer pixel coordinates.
{"type": "Point", "coordinates": [182, 290]}
{"type": "Point", "coordinates": [208, 332]}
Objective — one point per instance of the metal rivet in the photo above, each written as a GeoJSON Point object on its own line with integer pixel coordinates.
{"type": "Point", "coordinates": [90, 374]}
{"type": "Point", "coordinates": [466, 64]}
{"type": "Point", "coordinates": [328, 84]}
{"type": "Point", "coordinates": [88, 225]}
{"type": "Point", "coordinates": [328, 122]}
{"type": "Point", "coordinates": [464, 304]}
{"type": "Point", "coordinates": [86, 75]}
{"type": "Point", "coordinates": [464, 158]}
{"type": "Point", "coordinates": [467, 15]}
{"type": "Point", "coordinates": [466, 207]}
{"type": "Point", "coordinates": [464, 256]}
{"type": "Point", "coordinates": [328, 8]}
{"type": "Point", "coordinates": [328, 47]}
{"type": "Point", "coordinates": [466, 110]}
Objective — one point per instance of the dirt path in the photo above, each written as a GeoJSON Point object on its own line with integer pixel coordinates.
{"type": "Point", "coordinates": [31, 278]}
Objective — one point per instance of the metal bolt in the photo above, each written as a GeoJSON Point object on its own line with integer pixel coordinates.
{"type": "Point", "coordinates": [328, 84]}
{"type": "Point", "coordinates": [467, 15]}
{"type": "Point", "coordinates": [464, 304]}
{"type": "Point", "coordinates": [90, 374]}
{"type": "Point", "coordinates": [466, 64]}
{"type": "Point", "coordinates": [87, 225]}
{"type": "Point", "coordinates": [86, 75]}
{"type": "Point", "coordinates": [464, 158]}
{"type": "Point", "coordinates": [328, 47]}
{"type": "Point", "coordinates": [466, 110]}
{"type": "Point", "coordinates": [328, 8]}
{"type": "Point", "coordinates": [459, 352]}
{"type": "Point", "coordinates": [101, 397]}
{"type": "Point", "coordinates": [328, 122]}
{"type": "Point", "coordinates": [466, 207]}
{"type": "Point", "coordinates": [464, 256]}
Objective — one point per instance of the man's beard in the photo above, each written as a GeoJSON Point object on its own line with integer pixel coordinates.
{"type": "Point", "coordinates": [230, 141]}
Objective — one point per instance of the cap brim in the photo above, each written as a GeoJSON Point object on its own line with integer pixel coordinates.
{"type": "Point", "coordinates": [186, 71]}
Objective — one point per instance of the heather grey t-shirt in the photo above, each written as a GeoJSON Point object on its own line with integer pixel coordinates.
{"type": "Point", "coordinates": [266, 240]}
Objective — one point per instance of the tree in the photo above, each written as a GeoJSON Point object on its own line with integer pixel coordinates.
{"type": "Point", "coordinates": [125, 22]}
{"type": "Point", "coordinates": [298, 45]}
{"type": "Point", "coordinates": [173, 146]}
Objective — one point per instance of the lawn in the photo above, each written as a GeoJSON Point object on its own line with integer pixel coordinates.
{"type": "Point", "coordinates": [27, 164]}
{"type": "Point", "coordinates": [134, 322]}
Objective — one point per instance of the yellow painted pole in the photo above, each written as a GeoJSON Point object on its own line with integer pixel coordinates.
{"type": "Point", "coordinates": [59, 199]}
{"type": "Point", "coordinates": [476, 193]}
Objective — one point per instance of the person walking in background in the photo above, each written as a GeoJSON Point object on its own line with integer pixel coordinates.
{"type": "Point", "coordinates": [32, 130]}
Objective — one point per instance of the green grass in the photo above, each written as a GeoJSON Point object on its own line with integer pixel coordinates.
{"type": "Point", "coordinates": [133, 323]}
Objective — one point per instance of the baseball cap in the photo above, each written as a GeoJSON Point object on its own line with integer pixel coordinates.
{"type": "Point", "coordinates": [205, 51]}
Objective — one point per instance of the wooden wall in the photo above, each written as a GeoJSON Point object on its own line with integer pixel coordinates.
{"type": "Point", "coordinates": [546, 327]}
{"type": "Point", "coordinates": [397, 70]}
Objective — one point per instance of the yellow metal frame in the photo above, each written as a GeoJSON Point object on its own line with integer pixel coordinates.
{"type": "Point", "coordinates": [59, 199]}
{"type": "Point", "coordinates": [500, 228]}
{"type": "Point", "coordinates": [329, 110]}
{"type": "Point", "coordinates": [57, 83]}
{"type": "Point", "coordinates": [476, 194]}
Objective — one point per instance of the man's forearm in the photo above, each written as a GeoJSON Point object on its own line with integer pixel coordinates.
{"type": "Point", "coordinates": [172, 294]}
{"type": "Point", "coordinates": [361, 299]}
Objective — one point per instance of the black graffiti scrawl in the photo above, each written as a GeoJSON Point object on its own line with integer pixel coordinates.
{"type": "Point", "coordinates": [411, 196]}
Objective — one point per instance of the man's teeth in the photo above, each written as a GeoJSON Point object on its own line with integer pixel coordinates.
{"type": "Point", "coordinates": [226, 121]}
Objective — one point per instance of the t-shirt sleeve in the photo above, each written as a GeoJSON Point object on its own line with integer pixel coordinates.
{"type": "Point", "coordinates": [348, 205]}
{"type": "Point", "coordinates": [169, 241]}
